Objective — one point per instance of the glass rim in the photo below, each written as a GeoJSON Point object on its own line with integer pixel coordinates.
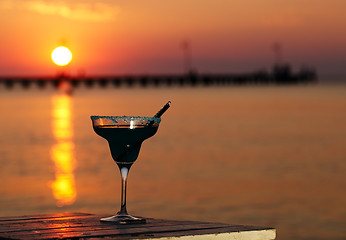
{"type": "Point", "coordinates": [127, 118]}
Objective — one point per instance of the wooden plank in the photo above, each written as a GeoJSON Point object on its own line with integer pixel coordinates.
{"type": "Point", "coordinates": [88, 226]}
{"type": "Point", "coordinates": [66, 229]}
{"type": "Point", "coordinates": [38, 224]}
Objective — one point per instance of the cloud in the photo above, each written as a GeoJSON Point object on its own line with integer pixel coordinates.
{"type": "Point", "coordinates": [96, 11]}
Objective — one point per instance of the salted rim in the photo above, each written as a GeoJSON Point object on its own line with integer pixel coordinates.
{"type": "Point", "coordinates": [128, 118]}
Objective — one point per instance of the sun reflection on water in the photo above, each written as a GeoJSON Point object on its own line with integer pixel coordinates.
{"type": "Point", "coordinates": [62, 152]}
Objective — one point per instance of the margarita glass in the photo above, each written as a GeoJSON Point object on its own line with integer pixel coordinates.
{"type": "Point", "coordinates": [125, 135]}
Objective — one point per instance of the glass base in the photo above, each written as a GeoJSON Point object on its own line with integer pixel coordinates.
{"type": "Point", "coordinates": [123, 219]}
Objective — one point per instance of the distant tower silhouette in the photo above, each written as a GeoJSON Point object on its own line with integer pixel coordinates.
{"type": "Point", "coordinates": [186, 47]}
{"type": "Point", "coordinates": [277, 48]}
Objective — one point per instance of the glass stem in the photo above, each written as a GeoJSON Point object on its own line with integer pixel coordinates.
{"type": "Point", "coordinates": [124, 171]}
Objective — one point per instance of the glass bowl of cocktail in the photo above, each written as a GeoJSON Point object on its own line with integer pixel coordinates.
{"type": "Point", "coordinates": [125, 135]}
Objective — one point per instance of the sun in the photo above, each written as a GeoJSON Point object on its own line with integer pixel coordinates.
{"type": "Point", "coordinates": [61, 56]}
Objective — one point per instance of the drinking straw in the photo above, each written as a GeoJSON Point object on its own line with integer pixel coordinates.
{"type": "Point", "coordinates": [162, 110]}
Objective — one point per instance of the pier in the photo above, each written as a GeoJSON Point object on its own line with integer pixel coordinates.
{"type": "Point", "coordinates": [88, 226]}
{"type": "Point", "coordinates": [280, 75]}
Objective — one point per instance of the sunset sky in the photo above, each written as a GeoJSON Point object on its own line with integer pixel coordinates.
{"type": "Point", "coordinates": [145, 36]}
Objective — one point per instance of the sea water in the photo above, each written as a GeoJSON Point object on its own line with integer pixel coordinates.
{"type": "Point", "coordinates": [256, 155]}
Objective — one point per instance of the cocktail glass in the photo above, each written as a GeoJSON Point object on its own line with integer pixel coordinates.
{"type": "Point", "coordinates": [125, 136]}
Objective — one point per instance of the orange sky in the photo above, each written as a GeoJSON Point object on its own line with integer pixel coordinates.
{"type": "Point", "coordinates": [117, 37]}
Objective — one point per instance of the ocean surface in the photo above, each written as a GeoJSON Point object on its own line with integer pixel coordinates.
{"type": "Point", "coordinates": [256, 155]}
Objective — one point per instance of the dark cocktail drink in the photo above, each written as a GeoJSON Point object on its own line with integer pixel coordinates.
{"type": "Point", "coordinates": [124, 141]}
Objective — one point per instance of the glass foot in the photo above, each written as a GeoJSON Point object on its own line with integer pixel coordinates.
{"type": "Point", "coordinates": [123, 219]}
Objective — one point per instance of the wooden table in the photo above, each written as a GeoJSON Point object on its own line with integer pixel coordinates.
{"type": "Point", "coordinates": [88, 226]}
